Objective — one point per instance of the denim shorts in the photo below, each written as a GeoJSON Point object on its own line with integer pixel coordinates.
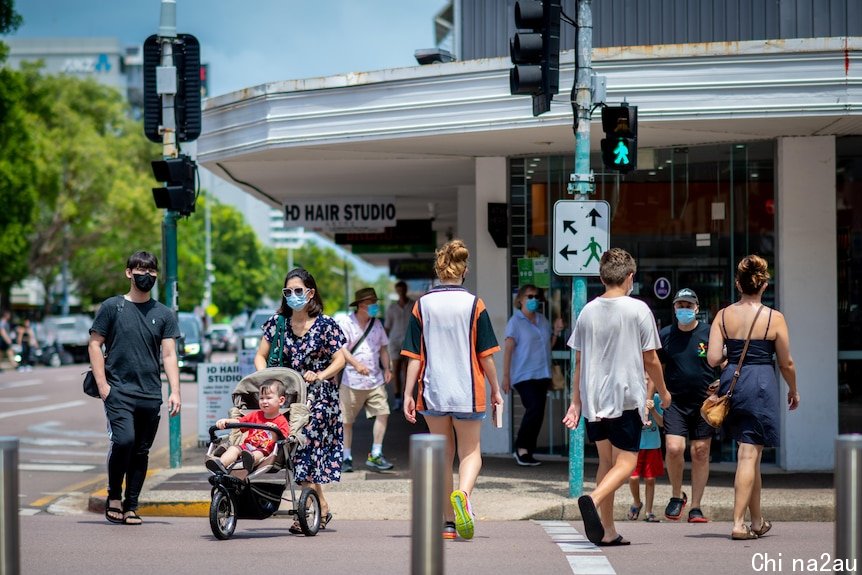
{"type": "Point", "coordinates": [459, 415]}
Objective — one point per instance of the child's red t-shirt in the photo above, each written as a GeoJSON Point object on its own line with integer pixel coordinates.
{"type": "Point", "coordinates": [260, 438]}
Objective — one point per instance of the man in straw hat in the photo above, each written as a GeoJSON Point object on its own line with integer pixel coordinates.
{"type": "Point", "coordinates": [363, 382]}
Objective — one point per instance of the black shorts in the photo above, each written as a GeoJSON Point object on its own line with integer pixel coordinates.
{"type": "Point", "coordinates": [684, 420]}
{"type": "Point", "coordinates": [3, 345]}
{"type": "Point", "coordinates": [624, 432]}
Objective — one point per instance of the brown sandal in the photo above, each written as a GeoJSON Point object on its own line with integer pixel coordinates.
{"type": "Point", "coordinates": [743, 535]}
{"type": "Point", "coordinates": [765, 526]}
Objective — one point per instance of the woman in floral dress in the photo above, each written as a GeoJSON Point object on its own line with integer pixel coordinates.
{"type": "Point", "coordinates": [310, 344]}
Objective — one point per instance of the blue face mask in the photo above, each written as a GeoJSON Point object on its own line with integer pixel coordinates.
{"type": "Point", "coordinates": [532, 305]}
{"type": "Point", "coordinates": [373, 309]}
{"type": "Point", "coordinates": [684, 315]}
{"type": "Point", "coordinates": [296, 302]}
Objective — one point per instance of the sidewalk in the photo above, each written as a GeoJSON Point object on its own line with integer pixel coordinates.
{"type": "Point", "coordinates": [504, 491]}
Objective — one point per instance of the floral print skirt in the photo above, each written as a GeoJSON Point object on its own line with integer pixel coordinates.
{"type": "Point", "coordinates": [319, 461]}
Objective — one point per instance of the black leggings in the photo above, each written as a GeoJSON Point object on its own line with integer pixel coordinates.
{"type": "Point", "coordinates": [533, 394]}
{"type": "Point", "coordinates": [132, 426]}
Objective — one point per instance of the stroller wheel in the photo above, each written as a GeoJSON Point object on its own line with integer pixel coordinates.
{"type": "Point", "coordinates": [308, 512]}
{"type": "Point", "coordinates": [222, 515]}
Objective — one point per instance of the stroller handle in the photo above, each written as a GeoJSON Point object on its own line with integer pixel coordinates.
{"type": "Point", "coordinates": [278, 434]}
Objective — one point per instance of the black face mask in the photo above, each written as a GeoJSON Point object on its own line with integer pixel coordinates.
{"type": "Point", "coordinates": [144, 282]}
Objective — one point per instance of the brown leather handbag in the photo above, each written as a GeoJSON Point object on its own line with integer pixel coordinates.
{"type": "Point", "coordinates": [715, 408]}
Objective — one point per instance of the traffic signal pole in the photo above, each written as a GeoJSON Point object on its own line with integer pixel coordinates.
{"type": "Point", "coordinates": [582, 186]}
{"type": "Point", "coordinates": [167, 88]}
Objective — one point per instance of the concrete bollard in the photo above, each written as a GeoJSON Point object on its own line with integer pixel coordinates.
{"type": "Point", "coordinates": [426, 463]}
{"type": "Point", "coordinates": [848, 502]}
{"type": "Point", "coordinates": [9, 540]}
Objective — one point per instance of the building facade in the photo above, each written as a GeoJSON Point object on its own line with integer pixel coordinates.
{"type": "Point", "coordinates": [747, 144]}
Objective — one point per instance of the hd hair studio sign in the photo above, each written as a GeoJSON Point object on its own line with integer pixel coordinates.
{"type": "Point", "coordinates": [336, 214]}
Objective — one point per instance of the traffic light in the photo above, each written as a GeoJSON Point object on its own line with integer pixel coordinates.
{"type": "Point", "coordinates": [620, 144]}
{"type": "Point", "coordinates": [535, 52]}
{"type": "Point", "coordinates": [178, 194]}
{"type": "Point", "coordinates": [187, 102]}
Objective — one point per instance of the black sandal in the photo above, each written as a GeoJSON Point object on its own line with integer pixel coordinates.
{"type": "Point", "coordinates": [324, 521]}
{"type": "Point", "coordinates": [116, 510]}
{"type": "Point", "coordinates": [295, 528]}
{"type": "Point", "coordinates": [132, 518]}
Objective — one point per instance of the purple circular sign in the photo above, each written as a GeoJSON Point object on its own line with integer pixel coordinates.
{"type": "Point", "coordinates": [661, 288]}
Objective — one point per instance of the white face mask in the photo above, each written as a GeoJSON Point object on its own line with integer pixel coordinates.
{"type": "Point", "coordinates": [631, 287]}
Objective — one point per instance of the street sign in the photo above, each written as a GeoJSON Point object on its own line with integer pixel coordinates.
{"type": "Point", "coordinates": [661, 288]}
{"type": "Point", "coordinates": [581, 235]}
{"type": "Point", "coordinates": [340, 213]}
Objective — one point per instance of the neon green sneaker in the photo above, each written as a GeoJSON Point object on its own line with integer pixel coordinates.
{"type": "Point", "coordinates": [464, 518]}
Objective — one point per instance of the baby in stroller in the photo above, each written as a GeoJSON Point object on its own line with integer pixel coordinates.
{"type": "Point", "coordinates": [257, 443]}
{"type": "Point", "coordinates": [253, 467]}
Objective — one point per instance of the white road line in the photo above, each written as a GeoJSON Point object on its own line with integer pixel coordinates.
{"type": "Point", "coordinates": [50, 442]}
{"type": "Point", "coordinates": [76, 403]}
{"type": "Point", "coordinates": [98, 451]}
{"type": "Point", "coordinates": [27, 511]}
{"type": "Point", "coordinates": [569, 540]}
{"type": "Point", "coordinates": [22, 383]}
{"type": "Point", "coordinates": [590, 565]}
{"type": "Point", "coordinates": [29, 398]}
{"type": "Point", "coordinates": [57, 467]}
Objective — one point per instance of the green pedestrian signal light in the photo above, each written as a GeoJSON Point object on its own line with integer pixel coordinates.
{"type": "Point", "coordinates": [620, 145]}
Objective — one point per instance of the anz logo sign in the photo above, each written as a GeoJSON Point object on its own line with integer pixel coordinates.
{"type": "Point", "coordinates": [96, 65]}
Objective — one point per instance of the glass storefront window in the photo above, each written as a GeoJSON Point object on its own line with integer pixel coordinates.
{"type": "Point", "coordinates": [848, 187]}
{"type": "Point", "coordinates": [687, 215]}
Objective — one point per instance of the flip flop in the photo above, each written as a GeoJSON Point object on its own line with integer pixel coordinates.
{"type": "Point", "coordinates": [132, 518]}
{"type": "Point", "coordinates": [109, 509]}
{"type": "Point", "coordinates": [295, 528]}
{"type": "Point", "coordinates": [635, 512]}
{"type": "Point", "coordinates": [615, 542]}
{"type": "Point", "coordinates": [592, 523]}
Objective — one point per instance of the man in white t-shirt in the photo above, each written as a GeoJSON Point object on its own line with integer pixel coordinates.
{"type": "Point", "coordinates": [397, 317]}
{"type": "Point", "coordinates": [615, 340]}
{"type": "Point", "coordinates": [365, 375]}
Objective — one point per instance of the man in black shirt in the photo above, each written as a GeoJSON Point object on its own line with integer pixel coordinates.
{"type": "Point", "coordinates": [688, 375]}
{"type": "Point", "coordinates": [133, 328]}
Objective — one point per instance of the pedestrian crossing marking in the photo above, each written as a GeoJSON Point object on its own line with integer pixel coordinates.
{"type": "Point", "coordinates": [590, 565]}
{"type": "Point", "coordinates": [71, 467]}
{"type": "Point", "coordinates": [44, 408]}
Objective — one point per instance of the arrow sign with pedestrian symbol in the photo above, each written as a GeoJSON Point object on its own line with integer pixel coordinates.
{"type": "Point", "coordinates": [581, 236]}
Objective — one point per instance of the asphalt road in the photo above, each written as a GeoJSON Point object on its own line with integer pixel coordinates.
{"type": "Point", "coordinates": [85, 544]}
{"type": "Point", "coordinates": [62, 435]}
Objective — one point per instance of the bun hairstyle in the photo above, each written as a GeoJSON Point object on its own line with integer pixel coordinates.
{"type": "Point", "coordinates": [751, 274]}
{"type": "Point", "coordinates": [451, 260]}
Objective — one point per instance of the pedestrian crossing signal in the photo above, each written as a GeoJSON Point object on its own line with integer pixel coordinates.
{"type": "Point", "coordinates": [620, 145]}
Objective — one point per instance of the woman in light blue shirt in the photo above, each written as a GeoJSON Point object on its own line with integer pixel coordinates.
{"type": "Point", "coordinates": [527, 367]}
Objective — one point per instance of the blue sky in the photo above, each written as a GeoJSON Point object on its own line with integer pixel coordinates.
{"type": "Point", "coordinates": [251, 42]}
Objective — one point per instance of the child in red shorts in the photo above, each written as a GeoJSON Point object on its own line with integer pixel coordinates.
{"type": "Point", "coordinates": [650, 465]}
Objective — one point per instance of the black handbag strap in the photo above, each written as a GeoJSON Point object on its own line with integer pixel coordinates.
{"type": "Point", "coordinates": [744, 351]}
{"type": "Point", "coordinates": [356, 345]}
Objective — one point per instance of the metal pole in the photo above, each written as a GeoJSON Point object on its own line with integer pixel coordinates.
{"type": "Point", "coordinates": [582, 181]}
{"type": "Point", "coordinates": [848, 502]}
{"type": "Point", "coordinates": [167, 35]}
{"type": "Point", "coordinates": [426, 462]}
{"type": "Point", "coordinates": [9, 540]}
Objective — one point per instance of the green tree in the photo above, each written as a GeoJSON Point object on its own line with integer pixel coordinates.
{"type": "Point", "coordinates": [18, 194]}
{"type": "Point", "coordinates": [239, 260]}
{"type": "Point", "coordinates": [92, 182]}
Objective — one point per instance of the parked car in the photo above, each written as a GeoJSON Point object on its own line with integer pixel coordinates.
{"type": "Point", "coordinates": [71, 333]}
{"type": "Point", "coordinates": [252, 333]}
{"type": "Point", "coordinates": [192, 347]}
{"type": "Point", "coordinates": [222, 337]}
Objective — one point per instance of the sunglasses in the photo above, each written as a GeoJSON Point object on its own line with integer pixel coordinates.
{"type": "Point", "coordinates": [534, 296]}
{"type": "Point", "coordinates": [298, 292]}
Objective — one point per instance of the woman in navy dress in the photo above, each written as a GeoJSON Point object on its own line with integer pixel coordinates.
{"type": "Point", "coordinates": [311, 345]}
{"type": "Point", "coordinates": [753, 420]}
